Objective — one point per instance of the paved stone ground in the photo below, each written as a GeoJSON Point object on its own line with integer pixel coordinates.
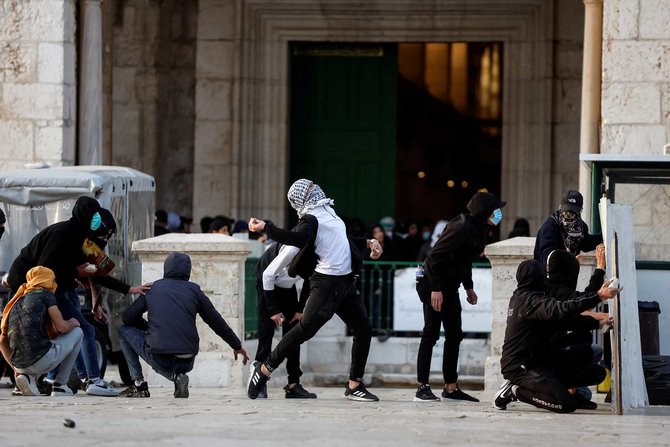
{"type": "Point", "coordinates": [224, 417]}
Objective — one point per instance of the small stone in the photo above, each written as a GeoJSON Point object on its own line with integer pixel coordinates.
{"type": "Point", "coordinates": [68, 423]}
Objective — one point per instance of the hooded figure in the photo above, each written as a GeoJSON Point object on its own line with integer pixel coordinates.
{"type": "Point", "coordinates": [448, 265]}
{"type": "Point", "coordinates": [541, 371]}
{"type": "Point", "coordinates": [565, 230]}
{"type": "Point", "coordinates": [58, 247]}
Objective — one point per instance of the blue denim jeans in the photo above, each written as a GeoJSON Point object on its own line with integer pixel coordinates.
{"type": "Point", "coordinates": [87, 361]}
{"type": "Point", "coordinates": [134, 345]}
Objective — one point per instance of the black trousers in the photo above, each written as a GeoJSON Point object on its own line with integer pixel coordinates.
{"type": "Point", "coordinates": [449, 318]}
{"type": "Point", "coordinates": [288, 305]}
{"type": "Point", "coordinates": [330, 295]}
{"type": "Point", "coordinates": [545, 385]}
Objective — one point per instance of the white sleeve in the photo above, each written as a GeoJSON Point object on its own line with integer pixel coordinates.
{"type": "Point", "coordinates": [283, 259]}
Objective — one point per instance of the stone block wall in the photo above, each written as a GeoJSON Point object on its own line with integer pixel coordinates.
{"type": "Point", "coordinates": [153, 95]}
{"type": "Point", "coordinates": [37, 82]}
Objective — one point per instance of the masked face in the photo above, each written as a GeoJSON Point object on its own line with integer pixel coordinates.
{"type": "Point", "coordinates": [425, 235]}
{"type": "Point", "coordinates": [96, 221]}
{"type": "Point", "coordinates": [496, 217]}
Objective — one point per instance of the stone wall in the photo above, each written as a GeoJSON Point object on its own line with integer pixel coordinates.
{"type": "Point", "coordinates": [636, 107]}
{"type": "Point", "coordinates": [567, 94]}
{"type": "Point", "coordinates": [37, 82]}
{"type": "Point", "coordinates": [153, 92]}
{"type": "Point", "coordinates": [636, 76]}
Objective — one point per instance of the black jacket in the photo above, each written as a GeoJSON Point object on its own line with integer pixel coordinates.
{"type": "Point", "coordinates": [529, 309]}
{"type": "Point", "coordinates": [449, 262]}
{"type": "Point", "coordinates": [562, 274]}
{"type": "Point", "coordinates": [550, 238]}
{"type": "Point", "coordinates": [59, 247]}
{"type": "Point", "coordinates": [171, 305]}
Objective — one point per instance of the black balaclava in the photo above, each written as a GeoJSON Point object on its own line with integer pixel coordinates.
{"type": "Point", "coordinates": [563, 268]}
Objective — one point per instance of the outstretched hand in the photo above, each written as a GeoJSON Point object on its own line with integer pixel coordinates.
{"type": "Point", "coordinates": [243, 352]}
{"type": "Point", "coordinates": [140, 289]}
{"type": "Point", "coordinates": [606, 292]}
{"type": "Point", "coordinates": [256, 225]}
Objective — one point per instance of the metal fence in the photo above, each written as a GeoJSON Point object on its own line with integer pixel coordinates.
{"type": "Point", "coordinates": [375, 284]}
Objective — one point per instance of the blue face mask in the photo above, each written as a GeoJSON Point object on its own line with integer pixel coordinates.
{"type": "Point", "coordinates": [96, 221]}
{"type": "Point", "coordinates": [426, 235]}
{"type": "Point", "coordinates": [496, 217]}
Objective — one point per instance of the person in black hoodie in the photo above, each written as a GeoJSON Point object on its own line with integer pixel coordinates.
{"type": "Point", "coordinates": [565, 230]}
{"type": "Point", "coordinates": [562, 274]}
{"type": "Point", "coordinates": [448, 265]}
{"type": "Point", "coordinates": [168, 339]}
{"type": "Point", "coordinates": [334, 259]}
{"type": "Point", "coordinates": [537, 372]}
{"type": "Point", "coordinates": [278, 305]}
{"type": "Point", "coordinates": [59, 247]}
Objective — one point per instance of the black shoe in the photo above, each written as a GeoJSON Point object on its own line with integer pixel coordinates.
{"type": "Point", "coordinates": [504, 396]}
{"type": "Point", "coordinates": [44, 386]}
{"type": "Point", "coordinates": [608, 397]}
{"type": "Point", "coordinates": [257, 381]}
{"type": "Point", "coordinates": [298, 392]}
{"type": "Point", "coordinates": [583, 403]}
{"type": "Point", "coordinates": [136, 391]}
{"type": "Point", "coordinates": [457, 394]}
{"type": "Point", "coordinates": [181, 386]}
{"type": "Point", "coordinates": [360, 394]}
{"type": "Point", "coordinates": [424, 394]}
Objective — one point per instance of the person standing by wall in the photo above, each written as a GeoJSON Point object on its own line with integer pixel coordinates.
{"type": "Point", "coordinates": [448, 265]}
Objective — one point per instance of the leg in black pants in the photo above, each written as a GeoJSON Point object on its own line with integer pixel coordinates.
{"type": "Point", "coordinates": [352, 312]}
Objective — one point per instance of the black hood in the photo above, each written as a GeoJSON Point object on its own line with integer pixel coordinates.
{"type": "Point", "coordinates": [177, 266]}
{"type": "Point", "coordinates": [482, 204]}
{"type": "Point", "coordinates": [83, 211]}
{"type": "Point", "coordinates": [530, 276]}
{"type": "Point", "coordinates": [563, 268]}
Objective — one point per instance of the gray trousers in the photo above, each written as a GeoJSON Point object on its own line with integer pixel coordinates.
{"type": "Point", "coordinates": [63, 353]}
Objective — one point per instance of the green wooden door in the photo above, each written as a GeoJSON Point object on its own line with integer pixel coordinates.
{"type": "Point", "coordinates": [343, 101]}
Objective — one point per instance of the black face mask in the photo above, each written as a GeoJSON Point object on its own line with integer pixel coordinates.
{"type": "Point", "coordinates": [2, 230]}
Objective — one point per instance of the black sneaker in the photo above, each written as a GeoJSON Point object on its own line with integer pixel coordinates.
{"type": "Point", "coordinates": [257, 381]}
{"type": "Point", "coordinates": [457, 394]}
{"type": "Point", "coordinates": [583, 403]}
{"type": "Point", "coordinates": [424, 394]}
{"type": "Point", "coordinates": [504, 396]}
{"type": "Point", "coordinates": [360, 394]}
{"type": "Point", "coordinates": [298, 392]}
{"type": "Point", "coordinates": [136, 391]}
{"type": "Point", "coordinates": [181, 386]}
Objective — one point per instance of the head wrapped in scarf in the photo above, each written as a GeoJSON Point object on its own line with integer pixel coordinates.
{"type": "Point", "coordinates": [304, 195]}
{"type": "Point", "coordinates": [572, 229]}
{"type": "Point", "coordinates": [37, 278]}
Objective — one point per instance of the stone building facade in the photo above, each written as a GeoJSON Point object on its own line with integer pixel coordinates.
{"type": "Point", "coordinates": [196, 92]}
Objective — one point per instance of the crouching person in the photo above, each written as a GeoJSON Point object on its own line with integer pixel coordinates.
{"type": "Point", "coordinates": [35, 338]}
{"type": "Point", "coordinates": [168, 340]}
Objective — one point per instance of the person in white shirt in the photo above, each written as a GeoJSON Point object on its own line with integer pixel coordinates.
{"type": "Point", "coordinates": [334, 258]}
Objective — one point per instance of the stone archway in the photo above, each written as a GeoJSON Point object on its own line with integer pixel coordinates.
{"type": "Point", "coordinates": [260, 121]}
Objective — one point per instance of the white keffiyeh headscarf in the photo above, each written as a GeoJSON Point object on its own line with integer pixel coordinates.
{"type": "Point", "coordinates": [304, 195]}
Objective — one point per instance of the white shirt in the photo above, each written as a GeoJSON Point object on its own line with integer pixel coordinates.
{"type": "Point", "coordinates": [331, 244]}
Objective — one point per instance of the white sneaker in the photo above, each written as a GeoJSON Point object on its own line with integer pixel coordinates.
{"type": "Point", "coordinates": [27, 384]}
{"type": "Point", "coordinates": [59, 390]}
{"type": "Point", "coordinates": [101, 388]}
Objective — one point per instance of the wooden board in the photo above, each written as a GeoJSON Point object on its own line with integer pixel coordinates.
{"type": "Point", "coordinates": [628, 385]}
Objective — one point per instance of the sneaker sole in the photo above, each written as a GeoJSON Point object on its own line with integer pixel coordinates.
{"type": "Point", "coordinates": [360, 399]}
{"type": "Point", "coordinates": [24, 385]}
{"type": "Point", "coordinates": [418, 399]}
{"type": "Point", "coordinates": [102, 393]}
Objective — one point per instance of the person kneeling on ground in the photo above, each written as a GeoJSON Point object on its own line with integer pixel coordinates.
{"type": "Point", "coordinates": [35, 338]}
{"type": "Point", "coordinates": [168, 340]}
{"type": "Point", "coordinates": [536, 372]}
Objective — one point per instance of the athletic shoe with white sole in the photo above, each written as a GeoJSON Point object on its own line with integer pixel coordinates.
{"type": "Point", "coordinates": [27, 384]}
{"type": "Point", "coordinates": [58, 390]}
{"type": "Point", "coordinates": [360, 394]}
{"type": "Point", "coordinates": [101, 388]}
{"type": "Point", "coordinates": [257, 381]}
{"type": "Point", "coordinates": [504, 396]}
{"type": "Point", "coordinates": [424, 394]}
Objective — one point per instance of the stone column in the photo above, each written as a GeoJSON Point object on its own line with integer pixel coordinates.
{"type": "Point", "coordinates": [505, 257]}
{"type": "Point", "coordinates": [90, 108]}
{"type": "Point", "coordinates": [589, 141]}
{"type": "Point", "coordinates": [218, 267]}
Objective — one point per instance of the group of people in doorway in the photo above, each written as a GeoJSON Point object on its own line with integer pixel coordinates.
{"type": "Point", "coordinates": [548, 360]}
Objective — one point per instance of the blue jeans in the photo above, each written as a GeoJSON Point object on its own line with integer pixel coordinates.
{"type": "Point", "coordinates": [134, 345]}
{"type": "Point", "coordinates": [87, 361]}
